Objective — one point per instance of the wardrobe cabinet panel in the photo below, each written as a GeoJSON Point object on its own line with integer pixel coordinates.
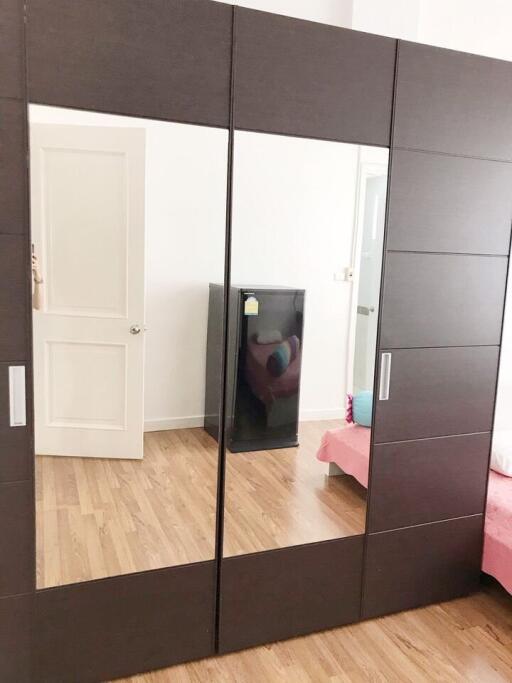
{"type": "Point", "coordinates": [12, 76]}
{"type": "Point", "coordinates": [162, 59]}
{"type": "Point", "coordinates": [453, 102]}
{"type": "Point", "coordinates": [284, 593]}
{"type": "Point", "coordinates": [442, 300]}
{"type": "Point", "coordinates": [111, 628]}
{"type": "Point", "coordinates": [13, 169]}
{"type": "Point", "coordinates": [449, 204]}
{"type": "Point", "coordinates": [16, 538]}
{"type": "Point", "coordinates": [13, 298]}
{"type": "Point", "coordinates": [15, 632]}
{"type": "Point", "coordinates": [438, 392]}
{"type": "Point", "coordinates": [15, 456]}
{"type": "Point", "coordinates": [308, 79]}
{"type": "Point", "coordinates": [414, 482]}
{"type": "Point", "coordinates": [420, 565]}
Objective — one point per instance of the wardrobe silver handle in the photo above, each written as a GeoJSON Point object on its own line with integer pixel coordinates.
{"type": "Point", "coordinates": [385, 376]}
{"type": "Point", "coordinates": [17, 402]}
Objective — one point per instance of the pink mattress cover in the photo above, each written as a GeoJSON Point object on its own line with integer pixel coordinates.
{"type": "Point", "coordinates": [497, 559]}
{"type": "Point", "coordinates": [349, 448]}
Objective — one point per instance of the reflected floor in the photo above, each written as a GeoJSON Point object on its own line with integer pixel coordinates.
{"type": "Point", "coordinates": [284, 497]}
{"type": "Point", "coordinates": [104, 517]}
{"type": "Point", "coordinates": [99, 517]}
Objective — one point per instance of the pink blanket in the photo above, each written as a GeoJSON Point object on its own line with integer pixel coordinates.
{"type": "Point", "coordinates": [497, 559]}
{"type": "Point", "coordinates": [349, 448]}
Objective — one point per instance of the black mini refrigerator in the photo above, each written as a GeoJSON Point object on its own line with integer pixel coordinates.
{"type": "Point", "coordinates": [263, 366]}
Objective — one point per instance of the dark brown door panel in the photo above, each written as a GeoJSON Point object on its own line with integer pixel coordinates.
{"type": "Point", "coordinates": [13, 298]}
{"type": "Point", "coordinates": [13, 168]}
{"type": "Point", "coordinates": [449, 204]}
{"type": "Point", "coordinates": [414, 482]}
{"type": "Point", "coordinates": [308, 79]}
{"type": "Point", "coordinates": [438, 392]}
{"type": "Point", "coordinates": [453, 102]}
{"type": "Point", "coordinates": [15, 455]}
{"type": "Point", "coordinates": [15, 631]}
{"type": "Point", "coordinates": [163, 59]}
{"type": "Point", "coordinates": [12, 76]}
{"type": "Point", "coordinates": [442, 300]}
{"type": "Point", "coordinates": [16, 538]}
{"type": "Point", "coordinates": [283, 593]}
{"type": "Point", "coordinates": [420, 565]}
{"type": "Point", "coordinates": [115, 627]}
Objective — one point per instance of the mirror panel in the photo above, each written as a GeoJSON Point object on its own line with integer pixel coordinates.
{"type": "Point", "coordinates": [128, 229]}
{"type": "Point", "coordinates": [307, 239]}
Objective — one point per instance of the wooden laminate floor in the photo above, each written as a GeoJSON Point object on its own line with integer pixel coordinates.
{"type": "Point", "coordinates": [283, 497]}
{"type": "Point", "coordinates": [97, 517]}
{"type": "Point", "coordinates": [463, 641]}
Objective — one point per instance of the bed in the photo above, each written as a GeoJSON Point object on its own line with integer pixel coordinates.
{"type": "Point", "coordinates": [349, 448]}
{"type": "Point", "coordinates": [497, 559]}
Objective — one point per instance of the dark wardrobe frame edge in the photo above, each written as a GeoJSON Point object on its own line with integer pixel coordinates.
{"type": "Point", "coordinates": [376, 368]}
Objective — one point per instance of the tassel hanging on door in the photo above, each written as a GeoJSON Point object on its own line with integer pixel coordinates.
{"type": "Point", "coordinates": [37, 290]}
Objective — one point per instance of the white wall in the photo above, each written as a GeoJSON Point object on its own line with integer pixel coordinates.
{"type": "Point", "coordinates": [186, 200]}
{"type": "Point", "coordinates": [186, 170]}
{"type": "Point", "coordinates": [479, 26]}
{"type": "Point", "coordinates": [482, 27]}
{"type": "Point", "coordinates": [293, 225]}
{"type": "Point", "coordinates": [335, 12]}
{"type": "Point", "coordinates": [394, 18]}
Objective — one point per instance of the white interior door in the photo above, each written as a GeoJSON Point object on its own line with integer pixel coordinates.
{"type": "Point", "coordinates": [87, 204]}
{"type": "Point", "coordinates": [368, 264]}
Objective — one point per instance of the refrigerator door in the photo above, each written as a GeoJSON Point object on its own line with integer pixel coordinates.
{"type": "Point", "coordinates": [268, 372]}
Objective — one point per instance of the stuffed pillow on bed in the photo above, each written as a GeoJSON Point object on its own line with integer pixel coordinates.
{"type": "Point", "coordinates": [359, 408]}
{"type": "Point", "coordinates": [501, 455]}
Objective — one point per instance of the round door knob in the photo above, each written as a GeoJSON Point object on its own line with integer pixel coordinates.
{"type": "Point", "coordinates": [135, 329]}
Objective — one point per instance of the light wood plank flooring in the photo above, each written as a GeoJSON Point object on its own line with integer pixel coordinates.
{"type": "Point", "coordinates": [283, 497]}
{"type": "Point", "coordinates": [463, 641]}
{"type": "Point", "coordinates": [99, 518]}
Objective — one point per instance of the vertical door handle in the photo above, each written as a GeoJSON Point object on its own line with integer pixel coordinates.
{"type": "Point", "coordinates": [17, 402]}
{"type": "Point", "coordinates": [385, 376]}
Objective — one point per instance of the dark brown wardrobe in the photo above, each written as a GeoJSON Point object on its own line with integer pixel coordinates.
{"type": "Point", "coordinates": [446, 118]}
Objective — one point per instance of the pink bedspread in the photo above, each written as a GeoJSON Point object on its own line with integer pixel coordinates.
{"type": "Point", "coordinates": [349, 448]}
{"type": "Point", "coordinates": [497, 559]}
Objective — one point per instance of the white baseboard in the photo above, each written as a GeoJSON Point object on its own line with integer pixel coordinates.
{"type": "Point", "coordinates": [162, 424]}
{"type": "Point", "coordinates": [329, 414]}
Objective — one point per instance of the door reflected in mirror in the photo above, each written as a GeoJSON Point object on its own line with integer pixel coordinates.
{"type": "Point", "coordinates": [128, 229]}
{"type": "Point", "coordinates": [307, 242]}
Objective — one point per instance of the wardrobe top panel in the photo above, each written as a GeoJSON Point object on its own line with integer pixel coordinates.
{"type": "Point", "coordinates": [301, 78]}
{"type": "Point", "coordinates": [162, 59]}
{"type": "Point", "coordinates": [453, 102]}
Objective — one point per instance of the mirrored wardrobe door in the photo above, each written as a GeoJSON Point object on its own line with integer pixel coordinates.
{"type": "Point", "coordinates": [306, 252]}
{"type": "Point", "coordinates": [128, 230]}
{"type": "Point", "coordinates": [308, 219]}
